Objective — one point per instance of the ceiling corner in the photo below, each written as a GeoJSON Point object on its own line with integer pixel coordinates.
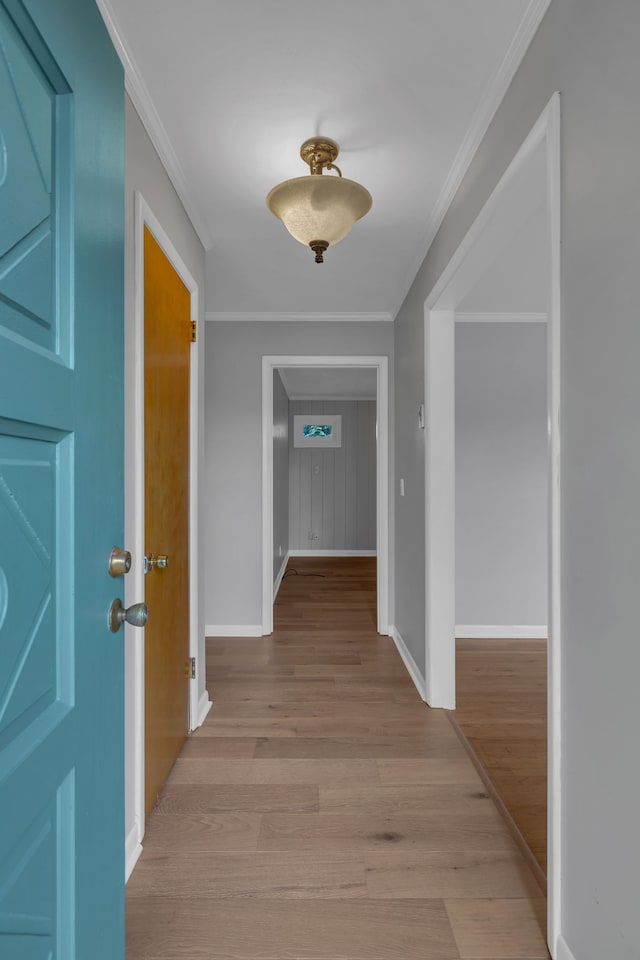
{"type": "Point", "coordinates": [150, 118]}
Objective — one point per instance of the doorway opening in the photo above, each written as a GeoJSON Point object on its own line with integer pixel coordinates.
{"type": "Point", "coordinates": [501, 463]}
{"type": "Point", "coordinates": [274, 554]}
{"type": "Point", "coordinates": [531, 182]}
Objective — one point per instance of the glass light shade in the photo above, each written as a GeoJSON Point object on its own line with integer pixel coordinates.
{"type": "Point", "coordinates": [319, 207]}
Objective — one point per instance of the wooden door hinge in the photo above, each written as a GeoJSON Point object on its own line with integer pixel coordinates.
{"type": "Point", "coordinates": [194, 331]}
{"type": "Point", "coordinates": [190, 669]}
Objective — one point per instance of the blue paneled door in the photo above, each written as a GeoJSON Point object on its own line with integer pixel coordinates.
{"type": "Point", "coordinates": [61, 483]}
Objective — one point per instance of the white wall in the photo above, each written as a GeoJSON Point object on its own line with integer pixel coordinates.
{"type": "Point", "coordinates": [588, 50]}
{"type": "Point", "coordinates": [232, 526]}
{"type": "Point", "coordinates": [501, 474]}
{"type": "Point", "coordinates": [144, 172]}
{"type": "Point", "coordinates": [280, 474]}
{"type": "Point", "coordinates": [332, 492]}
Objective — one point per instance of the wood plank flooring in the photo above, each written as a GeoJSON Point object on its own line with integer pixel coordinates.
{"type": "Point", "coordinates": [323, 812]}
{"type": "Point", "coordinates": [502, 710]}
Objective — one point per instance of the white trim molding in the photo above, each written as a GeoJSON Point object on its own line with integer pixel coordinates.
{"type": "Point", "coordinates": [333, 553]}
{"type": "Point", "coordinates": [233, 630]}
{"type": "Point", "coordinates": [281, 572]}
{"type": "Point", "coordinates": [440, 506]}
{"type": "Point", "coordinates": [409, 662]}
{"type": "Point", "coordinates": [501, 631]}
{"type": "Point", "coordinates": [381, 366]}
{"type": "Point", "coordinates": [204, 706]}
{"type": "Point", "coordinates": [563, 951]}
{"type": "Point", "coordinates": [146, 110]}
{"type": "Point", "coordinates": [214, 316]}
{"type": "Point", "coordinates": [501, 317]}
{"type": "Point", "coordinates": [531, 179]}
{"type": "Point", "coordinates": [132, 849]}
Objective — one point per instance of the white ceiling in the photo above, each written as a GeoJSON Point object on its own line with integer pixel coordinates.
{"type": "Point", "coordinates": [230, 89]}
{"type": "Point", "coordinates": [314, 383]}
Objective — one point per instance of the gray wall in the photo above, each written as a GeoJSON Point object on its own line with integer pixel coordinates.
{"type": "Point", "coordinates": [589, 51]}
{"type": "Point", "coordinates": [280, 474]}
{"type": "Point", "coordinates": [501, 473]}
{"type": "Point", "coordinates": [332, 492]}
{"type": "Point", "coordinates": [232, 526]}
{"type": "Point", "coordinates": [144, 172]}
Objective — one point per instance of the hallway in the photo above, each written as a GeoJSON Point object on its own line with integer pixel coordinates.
{"type": "Point", "coordinates": [323, 811]}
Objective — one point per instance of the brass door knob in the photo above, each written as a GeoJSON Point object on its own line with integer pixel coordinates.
{"type": "Point", "coordinates": [137, 615]}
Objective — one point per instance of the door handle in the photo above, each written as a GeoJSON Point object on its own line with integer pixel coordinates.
{"type": "Point", "coordinates": [137, 615]}
{"type": "Point", "coordinates": [161, 561]}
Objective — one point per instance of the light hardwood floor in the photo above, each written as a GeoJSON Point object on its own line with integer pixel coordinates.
{"type": "Point", "coordinates": [323, 812]}
{"type": "Point", "coordinates": [502, 710]}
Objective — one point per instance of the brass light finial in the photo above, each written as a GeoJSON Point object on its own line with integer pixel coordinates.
{"type": "Point", "coordinates": [315, 206]}
{"type": "Point", "coordinates": [319, 247]}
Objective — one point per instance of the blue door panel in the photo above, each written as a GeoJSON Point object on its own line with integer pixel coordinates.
{"type": "Point", "coordinates": [61, 483]}
{"type": "Point", "coordinates": [28, 656]}
{"type": "Point", "coordinates": [29, 158]}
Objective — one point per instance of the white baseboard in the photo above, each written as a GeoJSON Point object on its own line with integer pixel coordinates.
{"type": "Point", "coordinates": [409, 662]}
{"type": "Point", "coordinates": [233, 630]}
{"type": "Point", "coordinates": [562, 950]}
{"type": "Point", "coordinates": [204, 705]}
{"type": "Point", "coordinates": [132, 850]}
{"type": "Point", "coordinates": [332, 553]}
{"type": "Point", "coordinates": [501, 631]}
{"type": "Point", "coordinates": [278, 580]}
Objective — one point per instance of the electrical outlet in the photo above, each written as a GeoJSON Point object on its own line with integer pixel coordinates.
{"type": "Point", "coordinates": [312, 535]}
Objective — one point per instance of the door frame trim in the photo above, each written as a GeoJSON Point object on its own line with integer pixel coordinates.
{"type": "Point", "coordinates": [134, 468]}
{"type": "Point", "coordinates": [482, 241]}
{"type": "Point", "coordinates": [381, 365]}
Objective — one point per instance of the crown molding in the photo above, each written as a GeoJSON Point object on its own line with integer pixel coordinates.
{"type": "Point", "coordinates": [150, 118]}
{"type": "Point", "coordinates": [222, 317]}
{"type": "Point", "coordinates": [501, 317]}
{"type": "Point", "coordinates": [487, 109]}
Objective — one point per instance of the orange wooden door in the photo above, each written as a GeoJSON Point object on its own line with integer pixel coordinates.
{"type": "Point", "coordinates": [167, 337]}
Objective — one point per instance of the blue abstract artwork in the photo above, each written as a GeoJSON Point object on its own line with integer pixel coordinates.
{"type": "Point", "coordinates": [317, 430]}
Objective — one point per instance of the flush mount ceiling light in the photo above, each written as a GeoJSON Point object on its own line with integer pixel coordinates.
{"type": "Point", "coordinates": [319, 211]}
